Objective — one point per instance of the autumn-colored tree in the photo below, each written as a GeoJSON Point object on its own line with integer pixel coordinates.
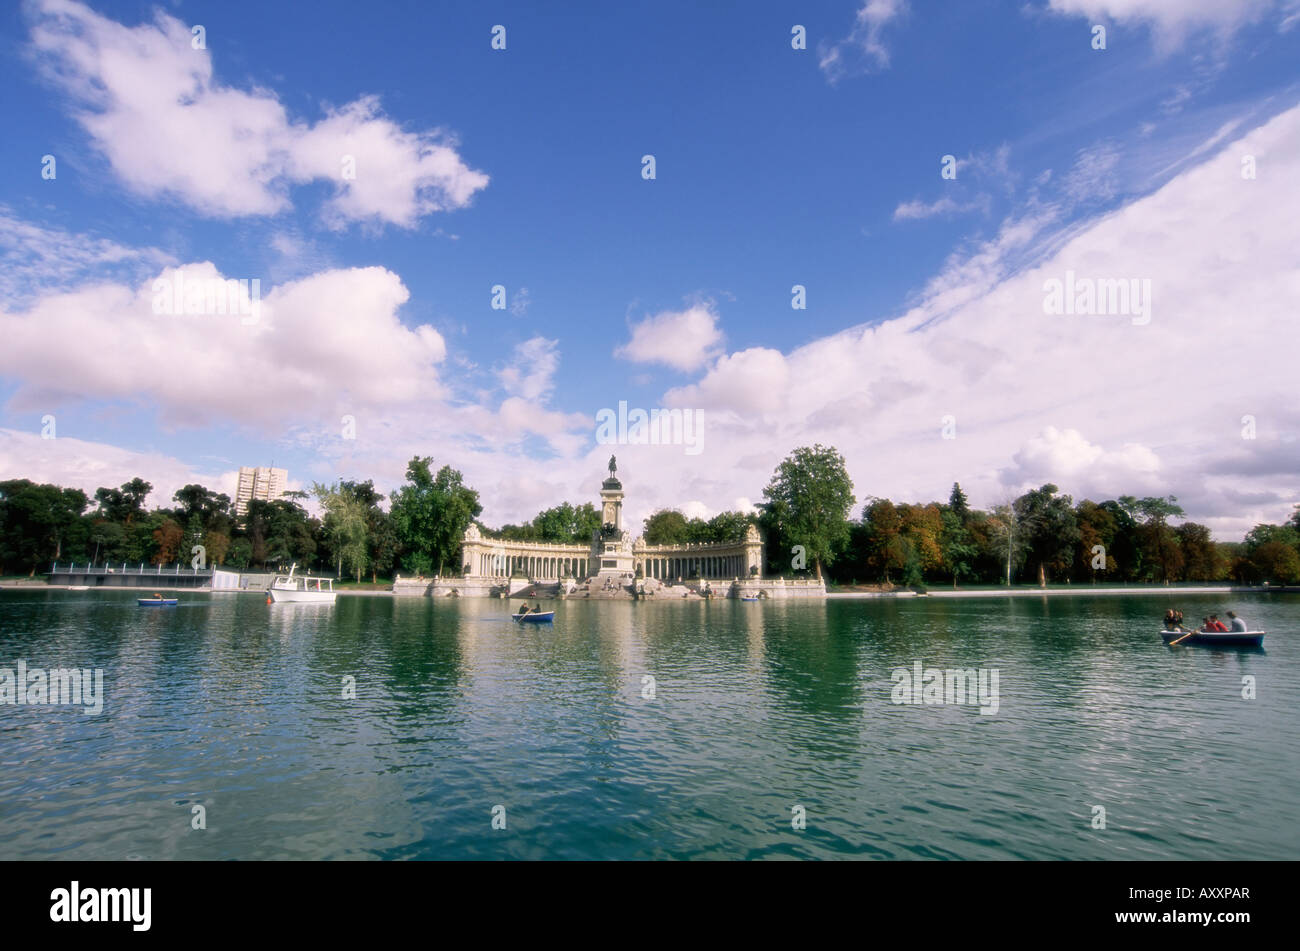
{"type": "Point", "coordinates": [167, 538]}
{"type": "Point", "coordinates": [217, 545]}
{"type": "Point", "coordinates": [922, 527]}
{"type": "Point", "coordinates": [1097, 529]}
{"type": "Point", "coordinates": [1277, 562]}
{"type": "Point", "coordinates": [886, 549]}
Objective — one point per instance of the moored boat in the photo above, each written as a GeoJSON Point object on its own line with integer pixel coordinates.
{"type": "Point", "coordinates": [1216, 638]}
{"type": "Point", "coordinates": [296, 588]}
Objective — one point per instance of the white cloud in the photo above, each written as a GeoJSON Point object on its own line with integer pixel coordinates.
{"type": "Point", "coordinates": [531, 369]}
{"type": "Point", "coordinates": [1172, 20]}
{"type": "Point", "coordinates": [326, 344]}
{"type": "Point", "coordinates": [1092, 179]}
{"type": "Point", "coordinates": [169, 128]}
{"type": "Point", "coordinates": [915, 210]}
{"type": "Point", "coordinates": [681, 339]}
{"type": "Point", "coordinates": [863, 50]}
{"type": "Point", "coordinates": [87, 465]}
{"type": "Point", "coordinates": [1066, 457]}
{"type": "Point", "coordinates": [34, 258]}
{"type": "Point", "coordinates": [745, 382]}
{"type": "Point", "coordinates": [1094, 404]}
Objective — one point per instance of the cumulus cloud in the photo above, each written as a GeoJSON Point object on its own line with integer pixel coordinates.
{"type": "Point", "coordinates": [1066, 457]}
{"type": "Point", "coordinates": [169, 128]}
{"type": "Point", "coordinates": [1098, 405]}
{"type": "Point", "coordinates": [87, 464]}
{"type": "Point", "coordinates": [681, 339]}
{"type": "Point", "coordinates": [328, 343]}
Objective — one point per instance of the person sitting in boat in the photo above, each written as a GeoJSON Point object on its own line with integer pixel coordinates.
{"type": "Point", "coordinates": [157, 596]}
{"type": "Point", "coordinates": [537, 607]}
{"type": "Point", "coordinates": [1205, 626]}
{"type": "Point", "coordinates": [1217, 626]}
{"type": "Point", "coordinates": [523, 608]}
{"type": "Point", "coordinates": [1237, 623]}
{"type": "Point", "coordinates": [1171, 619]}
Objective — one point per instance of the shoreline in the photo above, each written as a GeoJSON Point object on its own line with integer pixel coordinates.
{"type": "Point", "coordinates": [1149, 590]}
{"type": "Point", "coordinates": [1081, 591]}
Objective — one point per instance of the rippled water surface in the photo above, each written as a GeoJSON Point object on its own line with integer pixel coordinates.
{"type": "Point", "coordinates": [237, 705]}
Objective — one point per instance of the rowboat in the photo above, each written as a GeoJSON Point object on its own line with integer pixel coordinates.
{"type": "Point", "coordinates": [1217, 638]}
{"type": "Point", "coordinates": [155, 602]}
{"type": "Point", "coordinates": [535, 617]}
{"type": "Point", "coordinates": [749, 599]}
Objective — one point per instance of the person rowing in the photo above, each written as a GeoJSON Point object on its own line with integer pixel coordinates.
{"type": "Point", "coordinates": [523, 609]}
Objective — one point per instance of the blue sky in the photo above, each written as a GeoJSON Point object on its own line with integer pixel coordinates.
{"type": "Point", "coordinates": [774, 167]}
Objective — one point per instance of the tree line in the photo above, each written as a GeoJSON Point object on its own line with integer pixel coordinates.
{"type": "Point", "coordinates": [1040, 537]}
{"type": "Point", "coordinates": [419, 533]}
{"type": "Point", "coordinates": [808, 517]}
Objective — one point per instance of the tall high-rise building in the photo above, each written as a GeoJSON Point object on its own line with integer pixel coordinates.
{"type": "Point", "coordinates": [259, 483]}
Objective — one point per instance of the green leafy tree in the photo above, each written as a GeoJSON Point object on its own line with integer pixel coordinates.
{"type": "Point", "coordinates": [1097, 528]}
{"type": "Point", "coordinates": [1125, 546]}
{"type": "Point", "coordinates": [40, 522]}
{"type": "Point", "coordinates": [1048, 529]}
{"type": "Point", "coordinates": [957, 503]}
{"type": "Point", "coordinates": [1161, 553]}
{"type": "Point", "coordinates": [566, 524]}
{"type": "Point", "coordinates": [665, 527]}
{"type": "Point", "coordinates": [346, 526]}
{"type": "Point", "coordinates": [809, 498]}
{"type": "Point", "coordinates": [431, 513]}
{"type": "Point", "coordinates": [1008, 535]}
{"type": "Point", "coordinates": [281, 532]}
{"type": "Point", "coordinates": [124, 504]}
{"type": "Point", "coordinates": [730, 526]}
{"type": "Point", "coordinates": [958, 546]}
{"type": "Point", "coordinates": [1201, 558]}
{"type": "Point", "coordinates": [1275, 561]}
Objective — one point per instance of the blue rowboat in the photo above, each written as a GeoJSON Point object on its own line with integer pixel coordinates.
{"type": "Point", "coordinates": [535, 617]}
{"type": "Point", "coordinates": [155, 602]}
{"type": "Point", "coordinates": [749, 599]}
{"type": "Point", "coordinates": [1218, 638]}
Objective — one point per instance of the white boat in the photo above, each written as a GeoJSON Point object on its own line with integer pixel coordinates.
{"type": "Point", "coordinates": [294, 587]}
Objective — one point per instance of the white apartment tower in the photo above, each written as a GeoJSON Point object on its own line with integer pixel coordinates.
{"type": "Point", "coordinates": [260, 483]}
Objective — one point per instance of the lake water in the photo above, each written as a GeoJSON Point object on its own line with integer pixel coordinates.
{"type": "Point", "coordinates": [239, 706]}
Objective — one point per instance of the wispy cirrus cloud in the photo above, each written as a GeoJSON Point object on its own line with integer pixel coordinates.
{"type": "Point", "coordinates": [863, 50]}
{"type": "Point", "coordinates": [35, 258]}
{"type": "Point", "coordinates": [943, 207]}
{"type": "Point", "coordinates": [1173, 21]}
